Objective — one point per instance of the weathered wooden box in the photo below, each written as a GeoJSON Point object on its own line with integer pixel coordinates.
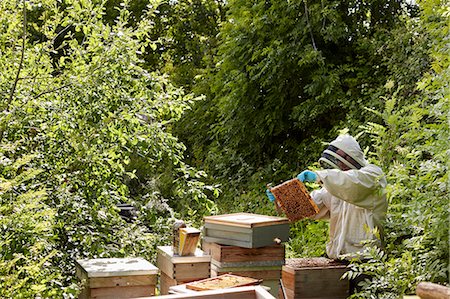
{"type": "Point", "coordinates": [228, 255]}
{"type": "Point", "coordinates": [116, 278]}
{"type": "Point", "coordinates": [315, 278]}
{"type": "Point", "coordinates": [263, 263]}
{"type": "Point", "coordinates": [189, 237]}
{"type": "Point", "coordinates": [263, 272]}
{"type": "Point", "coordinates": [245, 230]}
{"type": "Point", "coordinates": [177, 269]}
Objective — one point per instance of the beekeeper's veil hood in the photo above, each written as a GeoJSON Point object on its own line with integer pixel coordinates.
{"type": "Point", "coordinates": [344, 149]}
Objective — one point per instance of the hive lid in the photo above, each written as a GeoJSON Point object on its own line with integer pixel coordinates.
{"type": "Point", "coordinates": [198, 257]}
{"type": "Point", "coordinates": [313, 262]}
{"type": "Point", "coordinates": [246, 220]}
{"type": "Point", "coordinates": [107, 267]}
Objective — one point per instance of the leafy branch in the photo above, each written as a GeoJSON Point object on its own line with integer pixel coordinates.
{"type": "Point", "coordinates": [24, 38]}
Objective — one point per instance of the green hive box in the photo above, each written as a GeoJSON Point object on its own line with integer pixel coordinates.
{"type": "Point", "coordinates": [245, 230]}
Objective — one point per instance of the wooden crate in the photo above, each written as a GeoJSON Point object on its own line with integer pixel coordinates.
{"type": "Point", "coordinates": [227, 255]}
{"type": "Point", "coordinates": [177, 270]}
{"type": "Point", "coordinates": [314, 278]}
{"type": "Point", "coordinates": [245, 230]}
{"type": "Point", "coordinates": [116, 278]}
{"type": "Point", "coordinates": [258, 272]}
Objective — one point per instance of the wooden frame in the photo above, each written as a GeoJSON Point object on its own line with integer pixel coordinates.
{"type": "Point", "coordinates": [189, 238]}
{"type": "Point", "coordinates": [214, 282]}
{"type": "Point", "coordinates": [294, 200]}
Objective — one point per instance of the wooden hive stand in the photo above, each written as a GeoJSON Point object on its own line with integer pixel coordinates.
{"type": "Point", "coordinates": [177, 269]}
{"type": "Point", "coordinates": [116, 278]}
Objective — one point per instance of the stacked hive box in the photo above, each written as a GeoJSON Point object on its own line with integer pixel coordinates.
{"type": "Point", "coordinates": [314, 278]}
{"type": "Point", "coordinates": [247, 245]}
{"type": "Point", "coordinates": [116, 278]}
{"type": "Point", "coordinates": [177, 269]}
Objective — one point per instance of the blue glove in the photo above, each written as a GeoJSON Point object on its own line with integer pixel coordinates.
{"type": "Point", "coordinates": [307, 176]}
{"type": "Point", "coordinates": [270, 195]}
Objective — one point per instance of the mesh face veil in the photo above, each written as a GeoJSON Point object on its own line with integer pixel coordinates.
{"type": "Point", "coordinates": [334, 157]}
{"type": "Point", "coordinates": [328, 162]}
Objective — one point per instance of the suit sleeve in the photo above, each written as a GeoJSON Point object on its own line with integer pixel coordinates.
{"type": "Point", "coordinates": [354, 186]}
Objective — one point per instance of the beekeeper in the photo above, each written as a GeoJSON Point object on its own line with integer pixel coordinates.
{"type": "Point", "coordinates": [352, 197]}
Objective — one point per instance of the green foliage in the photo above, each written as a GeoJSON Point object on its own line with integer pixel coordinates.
{"type": "Point", "coordinates": [308, 239]}
{"type": "Point", "coordinates": [184, 35]}
{"type": "Point", "coordinates": [288, 76]}
{"type": "Point", "coordinates": [88, 120]}
{"type": "Point", "coordinates": [187, 33]}
{"type": "Point", "coordinates": [412, 146]}
{"type": "Point", "coordinates": [77, 97]}
{"type": "Point", "coordinates": [27, 227]}
{"type": "Point", "coordinates": [286, 65]}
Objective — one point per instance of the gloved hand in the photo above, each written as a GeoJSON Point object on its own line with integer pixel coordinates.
{"type": "Point", "coordinates": [307, 176]}
{"type": "Point", "coordinates": [270, 195]}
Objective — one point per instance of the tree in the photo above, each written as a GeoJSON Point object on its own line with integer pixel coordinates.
{"type": "Point", "coordinates": [290, 75]}
{"type": "Point", "coordinates": [98, 125]}
{"type": "Point", "coordinates": [411, 145]}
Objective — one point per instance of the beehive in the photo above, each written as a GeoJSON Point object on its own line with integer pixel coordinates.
{"type": "Point", "coordinates": [177, 270]}
{"type": "Point", "coordinates": [263, 263]}
{"type": "Point", "coordinates": [245, 230]}
{"type": "Point", "coordinates": [227, 255]}
{"type": "Point", "coordinates": [314, 278]}
{"type": "Point", "coordinates": [116, 278]}
{"type": "Point", "coordinates": [294, 200]}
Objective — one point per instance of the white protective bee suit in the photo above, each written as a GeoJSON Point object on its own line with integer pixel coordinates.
{"type": "Point", "coordinates": [354, 200]}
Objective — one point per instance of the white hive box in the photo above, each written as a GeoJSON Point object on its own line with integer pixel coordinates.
{"type": "Point", "coordinates": [176, 269]}
{"type": "Point", "coordinates": [117, 278]}
{"type": "Point", "coordinates": [246, 230]}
